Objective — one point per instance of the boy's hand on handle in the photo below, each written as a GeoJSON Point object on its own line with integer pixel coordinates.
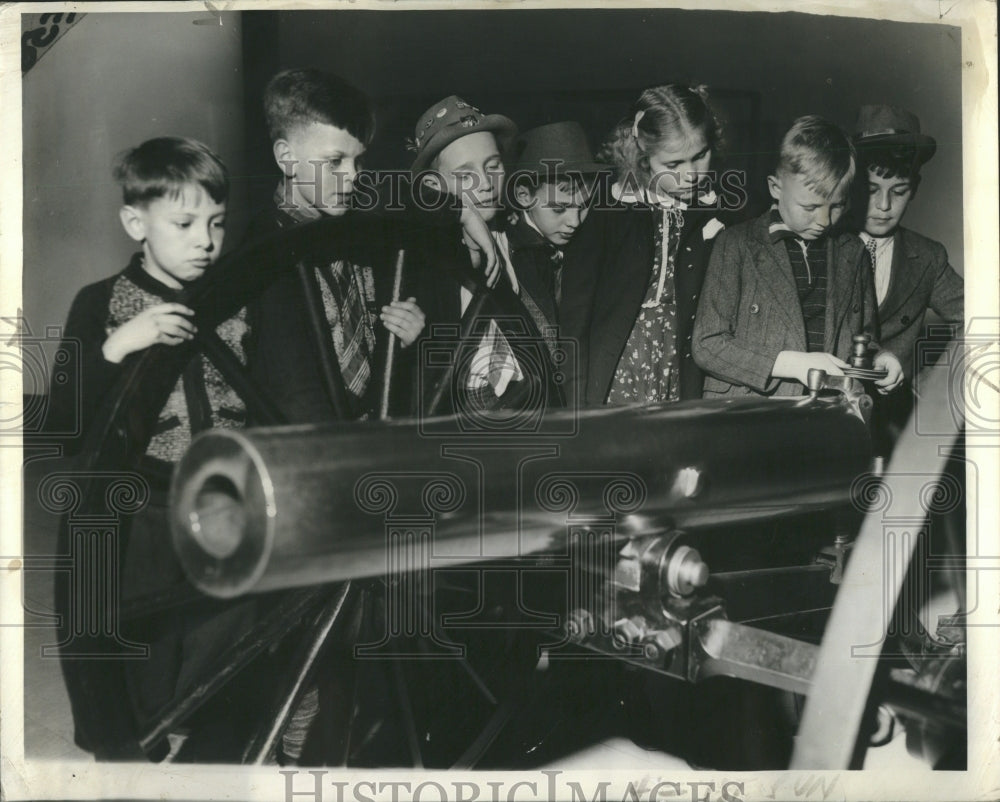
{"type": "Point", "coordinates": [479, 241]}
{"type": "Point", "coordinates": [166, 324]}
{"type": "Point", "coordinates": [796, 365]}
{"type": "Point", "coordinates": [892, 379]}
{"type": "Point", "coordinates": [404, 319]}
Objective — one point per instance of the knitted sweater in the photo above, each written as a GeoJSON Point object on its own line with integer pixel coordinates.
{"type": "Point", "coordinates": [200, 399]}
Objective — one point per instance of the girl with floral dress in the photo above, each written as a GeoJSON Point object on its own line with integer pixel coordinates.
{"type": "Point", "coordinates": [633, 273]}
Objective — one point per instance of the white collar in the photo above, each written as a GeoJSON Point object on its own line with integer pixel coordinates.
{"type": "Point", "coordinates": [880, 242]}
{"type": "Point", "coordinates": [646, 197]}
{"type": "Point", "coordinates": [530, 222]}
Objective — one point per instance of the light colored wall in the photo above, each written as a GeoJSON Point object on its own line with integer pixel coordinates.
{"type": "Point", "coordinates": [113, 81]}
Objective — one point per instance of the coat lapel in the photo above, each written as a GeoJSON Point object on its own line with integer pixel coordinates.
{"type": "Point", "coordinates": [844, 264]}
{"type": "Point", "coordinates": [627, 287]}
{"type": "Point", "coordinates": [779, 283]}
{"type": "Point", "coordinates": [905, 277]}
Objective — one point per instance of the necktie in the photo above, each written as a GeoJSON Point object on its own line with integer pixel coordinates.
{"type": "Point", "coordinates": [870, 245]}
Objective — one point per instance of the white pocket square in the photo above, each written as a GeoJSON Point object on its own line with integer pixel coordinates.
{"type": "Point", "coordinates": [712, 227]}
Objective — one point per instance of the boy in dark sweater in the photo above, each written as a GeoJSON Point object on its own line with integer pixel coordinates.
{"type": "Point", "coordinates": [175, 193]}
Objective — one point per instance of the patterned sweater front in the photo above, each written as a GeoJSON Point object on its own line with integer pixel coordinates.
{"type": "Point", "coordinates": [201, 398]}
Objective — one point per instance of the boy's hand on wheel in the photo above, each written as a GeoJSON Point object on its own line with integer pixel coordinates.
{"type": "Point", "coordinates": [404, 319]}
{"type": "Point", "coordinates": [166, 324]}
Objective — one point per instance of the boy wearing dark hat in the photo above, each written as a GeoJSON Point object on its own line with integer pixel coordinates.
{"type": "Point", "coordinates": [912, 273]}
{"type": "Point", "coordinates": [550, 187]}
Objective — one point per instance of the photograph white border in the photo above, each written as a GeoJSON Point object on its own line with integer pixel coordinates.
{"type": "Point", "coordinates": [33, 779]}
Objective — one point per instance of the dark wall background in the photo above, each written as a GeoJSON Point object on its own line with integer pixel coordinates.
{"type": "Point", "coordinates": [540, 66]}
{"type": "Point", "coordinates": [117, 78]}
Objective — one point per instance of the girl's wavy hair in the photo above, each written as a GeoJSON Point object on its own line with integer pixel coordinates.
{"type": "Point", "coordinates": [658, 115]}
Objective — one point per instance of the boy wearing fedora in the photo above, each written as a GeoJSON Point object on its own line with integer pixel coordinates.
{"type": "Point", "coordinates": [550, 187]}
{"type": "Point", "coordinates": [458, 151]}
{"type": "Point", "coordinates": [912, 273]}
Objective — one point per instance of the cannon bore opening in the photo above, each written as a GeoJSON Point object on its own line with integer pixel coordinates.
{"type": "Point", "coordinates": [218, 516]}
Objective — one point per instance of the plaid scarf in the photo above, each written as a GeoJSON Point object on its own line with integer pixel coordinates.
{"type": "Point", "coordinates": [348, 293]}
{"type": "Point", "coordinates": [348, 296]}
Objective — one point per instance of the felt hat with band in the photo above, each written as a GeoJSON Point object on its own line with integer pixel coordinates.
{"type": "Point", "coordinates": [553, 150]}
{"type": "Point", "coordinates": [880, 125]}
{"type": "Point", "coordinates": [451, 119]}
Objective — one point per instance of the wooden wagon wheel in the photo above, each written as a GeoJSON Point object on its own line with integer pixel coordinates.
{"type": "Point", "coordinates": [448, 715]}
{"type": "Point", "coordinates": [832, 731]}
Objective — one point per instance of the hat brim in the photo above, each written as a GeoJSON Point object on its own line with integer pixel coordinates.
{"type": "Point", "coordinates": [560, 170]}
{"type": "Point", "coordinates": [924, 145]}
{"type": "Point", "coordinates": [503, 127]}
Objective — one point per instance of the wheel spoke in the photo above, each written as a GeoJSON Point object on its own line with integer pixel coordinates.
{"type": "Point", "coordinates": [412, 737]}
{"type": "Point", "coordinates": [477, 680]}
{"type": "Point", "coordinates": [258, 404]}
{"type": "Point", "coordinates": [263, 635]}
{"type": "Point", "coordinates": [262, 748]}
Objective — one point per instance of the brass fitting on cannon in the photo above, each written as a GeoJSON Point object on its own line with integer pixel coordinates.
{"type": "Point", "coordinates": [660, 566]}
{"type": "Point", "coordinates": [860, 356]}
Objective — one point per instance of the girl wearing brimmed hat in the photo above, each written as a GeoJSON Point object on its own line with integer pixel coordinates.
{"type": "Point", "coordinates": [634, 271]}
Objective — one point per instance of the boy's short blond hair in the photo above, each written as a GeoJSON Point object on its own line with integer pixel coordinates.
{"type": "Point", "coordinates": [820, 151]}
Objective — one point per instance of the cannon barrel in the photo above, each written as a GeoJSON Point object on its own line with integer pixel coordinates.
{"type": "Point", "coordinates": [262, 509]}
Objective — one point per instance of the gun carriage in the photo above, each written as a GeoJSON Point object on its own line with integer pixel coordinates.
{"type": "Point", "coordinates": [436, 567]}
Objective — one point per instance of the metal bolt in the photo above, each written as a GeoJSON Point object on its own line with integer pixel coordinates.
{"type": "Point", "coordinates": [689, 482]}
{"type": "Point", "coordinates": [627, 632]}
{"type": "Point", "coordinates": [579, 625]}
{"type": "Point", "coordinates": [685, 572]}
{"type": "Point", "coordinates": [815, 381]}
{"type": "Point", "coordinates": [660, 643]}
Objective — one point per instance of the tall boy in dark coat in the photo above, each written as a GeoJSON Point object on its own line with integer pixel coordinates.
{"type": "Point", "coordinates": [320, 127]}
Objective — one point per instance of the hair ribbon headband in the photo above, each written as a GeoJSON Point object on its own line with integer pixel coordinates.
{"type": "Point", "coordinates": [635, 123]}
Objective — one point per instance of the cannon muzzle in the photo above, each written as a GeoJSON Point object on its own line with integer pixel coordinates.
{"type": "Point", "coordinates": [262, 509]}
